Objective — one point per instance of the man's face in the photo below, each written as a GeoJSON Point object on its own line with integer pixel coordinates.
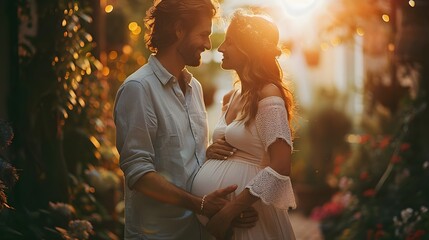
{"type": "Point", "coordinates": [196, 41]}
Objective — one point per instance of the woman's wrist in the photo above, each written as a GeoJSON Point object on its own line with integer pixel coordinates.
{"type": "Point", "coordinates": [231, 210]}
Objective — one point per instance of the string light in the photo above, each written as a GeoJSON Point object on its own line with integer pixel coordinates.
{"type": "Point", "coordinates": [106, 71]}
{"type": "Point", "coordinates": [108, 8]}
{"type": "Point", "coordinates": [412, 3]}
{"type": "Point", "coordinates": [113, 55]}
{"type": "Point", "coordinates": [81, 102]}
{"type": "Point", "coordinates": [132, 26]}
{"type": "Point", "coordinates": [137, 31]}
{"type": "Point", "coordinates": [127, 49]}
{"type": "Point", "coordinates": [385, 18]}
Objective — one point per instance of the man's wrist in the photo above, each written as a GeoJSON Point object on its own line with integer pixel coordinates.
{"type": "Point", "coordinates": [193, 203]}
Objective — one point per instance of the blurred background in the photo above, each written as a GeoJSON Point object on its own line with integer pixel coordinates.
{"type": "Point", "coordinates": [358, 69]}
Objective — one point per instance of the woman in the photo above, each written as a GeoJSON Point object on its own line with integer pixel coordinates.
{"type": "Point", "coordinates": [255, 120]}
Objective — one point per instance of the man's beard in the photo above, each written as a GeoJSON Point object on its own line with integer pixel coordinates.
{"type": "Point", "coordinates": [190, 54]}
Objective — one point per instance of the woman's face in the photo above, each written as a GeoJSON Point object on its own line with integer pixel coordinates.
{"type": "Point", "coordinates": [233, 58]}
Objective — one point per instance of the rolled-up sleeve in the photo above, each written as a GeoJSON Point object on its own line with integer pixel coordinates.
{"type": "Point", "coordinates": [133, 116]}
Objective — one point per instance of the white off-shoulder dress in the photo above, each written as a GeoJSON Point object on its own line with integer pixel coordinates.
{"type": "Point", "coordinates": [248, 168]}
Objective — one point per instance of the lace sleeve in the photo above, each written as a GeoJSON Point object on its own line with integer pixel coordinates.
{"type": "Point", "coordinates": [271, 121]}
{"type": "Point", "coordinates": [273, 189]}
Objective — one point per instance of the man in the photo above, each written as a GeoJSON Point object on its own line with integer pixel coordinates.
{"type": "Point", "coordinates": [161, 126]}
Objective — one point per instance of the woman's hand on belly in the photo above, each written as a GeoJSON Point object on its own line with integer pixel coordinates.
{"type": "Point", "coordinates": [220, 149]}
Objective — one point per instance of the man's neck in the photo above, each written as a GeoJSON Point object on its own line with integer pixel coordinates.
{"type": "Point", "coordinates": [172, 62]}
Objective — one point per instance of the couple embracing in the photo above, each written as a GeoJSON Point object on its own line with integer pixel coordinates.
{"type": "Point", "coordinates": [178, 187]}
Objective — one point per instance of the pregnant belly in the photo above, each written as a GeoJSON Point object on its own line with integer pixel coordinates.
{"type": "Point", "coordinates": [215, 174]}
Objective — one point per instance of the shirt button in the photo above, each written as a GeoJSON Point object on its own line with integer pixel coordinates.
{"type": "Point", "coordinates": [174, 80]}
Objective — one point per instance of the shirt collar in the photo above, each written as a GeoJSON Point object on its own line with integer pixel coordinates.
{"type": "Point", "coordinates": [162, 74]}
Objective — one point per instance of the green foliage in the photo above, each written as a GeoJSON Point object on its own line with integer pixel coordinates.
{"type": "Point", "coordinates": [59, 115]}
{"type": "Point", "coordinates": [384, 184]}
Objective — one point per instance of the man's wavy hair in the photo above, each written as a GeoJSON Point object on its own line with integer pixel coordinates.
{"type": "Point", "coordinates": [161, 19]}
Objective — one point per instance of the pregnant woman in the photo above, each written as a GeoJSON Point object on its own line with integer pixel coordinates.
{"type": "Point", "coordinates": [256, 121]}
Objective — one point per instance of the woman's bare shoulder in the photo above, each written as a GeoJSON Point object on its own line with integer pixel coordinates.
{"type": "Point", "coordinates": [270, 90]}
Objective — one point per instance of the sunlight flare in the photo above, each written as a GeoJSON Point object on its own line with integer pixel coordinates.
{"type": "Point", "coordinates": [298, 8]}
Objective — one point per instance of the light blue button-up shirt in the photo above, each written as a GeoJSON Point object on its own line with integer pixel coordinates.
{"type": "Point", "coordinates": [158, 128]}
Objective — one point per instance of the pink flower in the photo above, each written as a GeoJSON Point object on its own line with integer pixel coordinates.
{"type": "Point", "coordinates": [329, 209]}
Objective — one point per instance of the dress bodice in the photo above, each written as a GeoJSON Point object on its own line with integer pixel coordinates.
{"type": "Point", "coordinates": [244, 139]}
{"type": "Point", "coordinates": [252, 141]}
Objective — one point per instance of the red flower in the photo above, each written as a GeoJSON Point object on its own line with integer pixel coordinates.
{"type": "Point", "coordinates": [395, 159]}
{"type": "Point", "coordinates": [339, 159]}
{"type": "Point", "coordinates": [379, 234]}
{"type": "Point", "coordinates": [417, 235]}
{"type": "Point", "coordinates": [337, 170]}
{"type": "Point", "coordinates": [329, 209]}
{"type": "Point", "coordinates": [384, 143]}
{"type": "Point", "coordinates": [369, 192]}
{"type": "Point", "coordinates": [404, 147]}
{"type": "Point", "coordinates": [364, 175]}
{"type": "Point", "coordinates": [365, 138]}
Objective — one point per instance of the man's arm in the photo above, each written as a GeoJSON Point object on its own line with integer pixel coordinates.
{"type": "Point", "coordinates": [157, 187]}
{"type": "Point", "coordinates": [134, 143]}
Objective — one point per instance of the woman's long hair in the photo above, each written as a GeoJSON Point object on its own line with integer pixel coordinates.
{"type": "Point", "coordinates": [256, 37]}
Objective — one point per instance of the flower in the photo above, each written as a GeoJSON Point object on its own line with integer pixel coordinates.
{"type": "Point", "coordinates": [404, 147]}
{"type": "Point", "coordinates": [64, 209]}
{"type": "Point", "coordinates": [80, 229]}
{"type": "Point", "coordinates": [8, 173]}
{"type": "Point", "coordinates": [364, 175]}
{"type": "Point", "coordinates": [3, 197]}
{"type": "Point", "coordinates": [332, 208]}
{"type": "Point", "coordinates": [416, 235]}
{"type": "Point", "coordinates": [369, 192]}
{"type": "Point", "coordinates": [345, 183]}
{"type": "Point", "coordinates": [6, 134]}
{"type": "Point", "coordinates": [102, 179]}
{"type": "Point", "coordinates": [384, 142]}
{"type": "Point", "coordinates": [395, 159]}
{"type": "Point", "coordinates": [406, 214]}
{"type": "Point", "coordinates": [327, 210]}
{"type": "Point", "coordinates": [365, 138]}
